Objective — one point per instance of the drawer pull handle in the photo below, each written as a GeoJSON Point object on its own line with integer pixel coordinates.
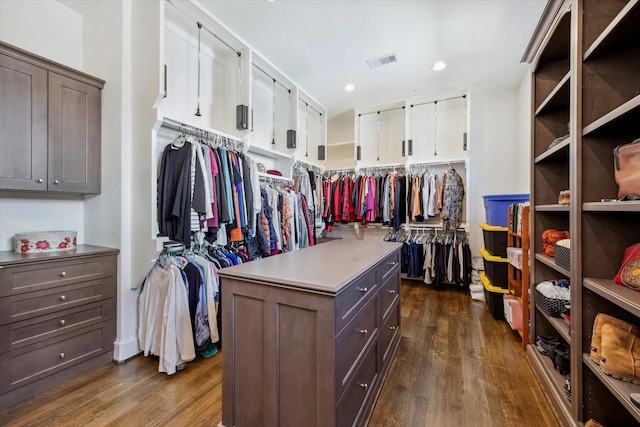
{"type": "Point", "coordinates": [40, 180]}
{"type": "Point", "coordinates": [392, 291]}
{"type": "Point", "coordinates": [393, 263]}
{"type": "Point", "coordinates": [62, 322]}
{"type": "Point", "coordinates": [56, 182]}
{"type": "Point", "coordinates": [61, 355]}
{"type": "Point", "coordinates": [364, 386]}
{"type": "Point", "coordinates": [364, 290]}
{"type": "Point", "coordinates": [63, 274]}
{"type": "Point", "coordinates": [63, 298]}
{"type": "Point", "coordinates": [364, 332]}
{"type": "Point", "coordinates": [393, 328]}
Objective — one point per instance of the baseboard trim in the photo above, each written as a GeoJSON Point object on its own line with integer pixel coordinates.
{"type": "Point", "coordinates": [125, 349]}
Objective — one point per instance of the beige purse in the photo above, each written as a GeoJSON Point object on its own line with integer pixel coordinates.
{"type": "Point", "coordinates": [626, 160]}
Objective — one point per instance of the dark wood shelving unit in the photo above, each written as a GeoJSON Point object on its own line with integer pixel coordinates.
{"type": "Point", "coordinates": [595, 90]}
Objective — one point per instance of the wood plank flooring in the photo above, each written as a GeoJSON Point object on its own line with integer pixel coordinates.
{"type": "Point", "coordinates": [455, 366]}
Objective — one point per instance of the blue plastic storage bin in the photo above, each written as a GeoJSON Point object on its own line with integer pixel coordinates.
{"type": "Point", "coordinates": [497, 205]}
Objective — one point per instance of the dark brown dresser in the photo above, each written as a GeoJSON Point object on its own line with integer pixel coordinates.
{"type": "Point", "coordinates": [309, 335]}
{"type": "Point", "coordinates": [57, 317]}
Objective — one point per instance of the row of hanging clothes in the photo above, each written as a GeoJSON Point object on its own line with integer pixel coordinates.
{"type": "Point", "coordinates": [438, 258]}
{"type": "Point", "coordinates": [177, 308]}
{"type": "Point", "coordinates": [374, 197]}
{"type": "Point", "coordinates": [431, 194]}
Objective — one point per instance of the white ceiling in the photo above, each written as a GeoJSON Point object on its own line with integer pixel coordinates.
{"type": "Point", "coordinates": [322, 45]}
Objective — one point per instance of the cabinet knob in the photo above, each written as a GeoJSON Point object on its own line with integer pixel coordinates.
{"type": "Point", "coordinates": [40, 181]}
{"type": "Point", "coordinates": [61, 355]}
{"type": "Point", "coordinates": [364, 290]}
{"type": "Point", "coordinates": [364, 331]}
{"type": "Point", "coordinates": [63, 274]}
{"type": "Point", "coordinates": [392, 291]}
{"type": "Point", "coordinates": [56, 182]}
{"type": "Point", "coordinates": [364, 386]}
{"type": "Point", "coordinates": [393, 328]}
{"type": "Point", "coordinates": [63, 298]}
{"type": "Point", "coordinates": [392, 263]}
{"type": "Point", "coordinates": [62, 322]}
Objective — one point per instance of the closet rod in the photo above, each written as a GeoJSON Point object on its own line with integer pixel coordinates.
{"type": "Point", "coordinates": [446, 162]}
{"type": "Point", "coordinates": [381, 111]}
{"type": "Point", "coordinates": [414, 226]}
{"type": "Point", "coordinates": [307, 166]}
{"type": "Point", "coordinates": [438, 100]}
{"type": "Point", "coordinates": [176, 125]}
{"type": "Point", "coordinates": [272, 78]}
{"type": "Point", "coordinates": [188, 15]}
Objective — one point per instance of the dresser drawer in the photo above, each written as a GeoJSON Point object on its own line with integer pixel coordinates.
{"type": "Point", "coordinates": [390, 329]}
{"type": "Point", "coordinates": [36, 276]}
{"type": "Point", "coordinates": [24, 306]}
{"type": "Point", "coordinates": [389, 293]}
{"type": "Point", "coordinates": [30, 331]}
{"type": "Point", "coordinates": [352, 341]}
{"type": "Point", "coordinates": [31, 363]}
{"type": "Point", "coordinates": [361, 388]}
{"type": "Point", "coordinates": [388, 266]}
{"type": "Point", "coordinates": [349, 301]}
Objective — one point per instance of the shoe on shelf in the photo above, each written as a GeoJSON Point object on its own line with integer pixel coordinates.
{"type": "Point", "coordinates": [600, 320]}
{"type": "Point", "coordinates": [562, 359]}
{"type": "Point", "coordinates": [592, 423]}
{"type": "Point", "coordinates": [620, 354]}
{"type": "Point", "coordinates": [547, 345]}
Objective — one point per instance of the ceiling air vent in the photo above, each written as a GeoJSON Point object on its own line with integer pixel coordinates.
{"type": "Point", "coordinates": [383, 60]}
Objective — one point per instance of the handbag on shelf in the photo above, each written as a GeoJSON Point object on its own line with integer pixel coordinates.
{"type": "Point", "coordinates": [626, 160]}
{"type": "Point", "coordinates": [629, 274]}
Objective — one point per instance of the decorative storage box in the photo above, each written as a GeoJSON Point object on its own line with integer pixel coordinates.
{"type": "Point", "coordinates": [562, 256]}
{"type": "Point", "coordinates": [45, 241]}
{"type": "Point", "coordinates": [552, 306]}
{"type": "Point", "coordinates": [495, 239]}
{"type": "Point", "coordinates": [496, 269]}
{"type": "Point", "coordinates": [497, 205]}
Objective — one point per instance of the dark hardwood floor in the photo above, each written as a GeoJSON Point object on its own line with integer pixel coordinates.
{"type": "Point", "coordinates": [455, 366]}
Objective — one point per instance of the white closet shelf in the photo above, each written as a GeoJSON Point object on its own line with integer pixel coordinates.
{"type": "Point", "coordinates": [275, 177]}
{"type": "Point", "coordinates": [266, 152]}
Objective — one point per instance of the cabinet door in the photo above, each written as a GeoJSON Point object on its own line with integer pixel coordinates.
{"type": "Point", "coordinates": [74, 136]}
{"type": "Point", "coordinates": [23, 125]}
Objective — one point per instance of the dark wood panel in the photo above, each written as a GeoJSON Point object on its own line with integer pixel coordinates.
{"type": "Point", "coordinates": [547, 78]}
{"type": "Point", "coordinates": [389, 331]}
{"type": "Point", "coordinates": [32, 277]}
{"type": "Point", "coordinates": [250, 358]}
{"type": "Point", "coordinates": [74, 136]}
{"type": "Point", "coordinates": [352, 340]}
{"type": "Point", "coordinates": [605, 235]}
{"type": "Point", "coordinates": [617, 75]}
{"type": "Point", "coordinates": [25, 306]}
{"type": "Point", "coordinates": [549, 126]}
{"type": "Point", "coordinates": [602, 405]}
{"type": "Point", "coordinates": [298, 373]}
{"type": "Point", "coordinates": [597, 16]}
{"type": "Point", "coordinates": [26, 365]}
{"type": "Point", "coordinates": [29, 331]}
{"type": "Point", "coordinates": [350, 408]}
{"type": "Point", "coordinates": [558, 46]}
{"type": "Point", "coordinates": [549, 180]}
{"type": "Point", "coordinates": [23, 135]}
{"type": "Point", "coordinates": [351, 300]}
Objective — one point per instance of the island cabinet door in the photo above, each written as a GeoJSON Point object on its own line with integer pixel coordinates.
{"type": "Point", "coordinates": [278, 356]}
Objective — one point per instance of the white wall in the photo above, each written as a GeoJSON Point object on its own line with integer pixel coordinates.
{"type": "Point", "coordinates": [496, 165]}
{"type": "Point", "coordinates": [53, 31]}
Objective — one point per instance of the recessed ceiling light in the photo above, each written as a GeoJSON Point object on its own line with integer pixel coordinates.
{"type": "Point", "coordinates": [349, 87]}
{"type": "Point", "coordinates": [439, 66]}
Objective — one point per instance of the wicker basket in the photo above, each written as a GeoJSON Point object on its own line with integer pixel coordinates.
{"type": "Point", "coordinates": [562, 256]}
{"type": "Point", "coordinates": [45, 241]}
{"type": "Point", "coordinates": [553, 307]}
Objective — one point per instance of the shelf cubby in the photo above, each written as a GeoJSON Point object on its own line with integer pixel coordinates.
{"type": "Point", "coordinates": [610, 26]}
